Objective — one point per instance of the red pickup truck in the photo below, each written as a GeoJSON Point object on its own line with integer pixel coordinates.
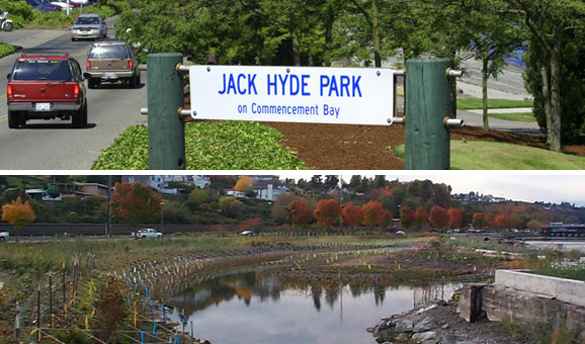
{"type": "Point", "coordinates": [46, 87]}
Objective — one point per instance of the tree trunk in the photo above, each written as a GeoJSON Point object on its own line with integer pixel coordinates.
{"type": "Point", "coordinates": [376, 35]}
{"type": "Point", "coordinates": [259, 42]}
{"type": "Point", "coordinates": [294, 37]}
{"type": "Point", "coordinates": [545, 92]}
{"type": "Point", "coordinates": [484, 92]}
{"type": "Point", "coordinates": [554, 131]}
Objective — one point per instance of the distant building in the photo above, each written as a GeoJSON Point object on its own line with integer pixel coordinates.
{"type": "Point", "coordinates": [170, 184]}
{"type": "Point", "coordinates": [267, 188]}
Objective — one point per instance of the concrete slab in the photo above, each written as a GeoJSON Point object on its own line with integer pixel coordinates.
{"type": "Point", "coordinates": [567, 290]}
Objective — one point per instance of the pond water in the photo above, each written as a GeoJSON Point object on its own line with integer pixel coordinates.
{"type": "Point", "coordinates": [251, 308]}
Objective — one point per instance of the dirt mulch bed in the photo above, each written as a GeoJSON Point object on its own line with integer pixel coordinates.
{"type": "Point", "coordinates": [358, 147]}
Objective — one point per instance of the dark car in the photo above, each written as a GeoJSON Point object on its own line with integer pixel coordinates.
{"type": "Point", "coordinates": [111, 61]}
{"type": "Point", "coordinates": [46, 87]}
{"type": "Point", "coordinates": [43, 5]}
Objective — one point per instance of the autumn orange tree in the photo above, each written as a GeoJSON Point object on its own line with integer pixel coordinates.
{"type": "Point", "coordinates": [327, 212]}
{"type": "Point", "coordinates": [18, 213]}
{"type": "Point", "coordinates": [439, 217]}
{"type": "Point", "coordinates": [503, 221]}
{"type": "Point", "coordinates": [420, 217]}
{"type": "Point", "coordinates": [244, 184]}
{"type": "Point", "coordinates": [352, 215]}
{"type": "Point", "coordinates": [134, 203]}
{"type": "Point", "coordinates": [455, 217]}
{"type": "Point", "coordinates": [299, 212]}
{"type": "Point", "coordinates": [376, 215]}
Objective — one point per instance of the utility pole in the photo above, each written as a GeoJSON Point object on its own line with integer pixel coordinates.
{"type": "Point", "coordinates": [340, 202]}
{"type": "Point", "coordinates": [109, 224]}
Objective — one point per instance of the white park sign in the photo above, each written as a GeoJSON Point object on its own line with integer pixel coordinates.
{"type": "Point", "coordinates": [293, 94]}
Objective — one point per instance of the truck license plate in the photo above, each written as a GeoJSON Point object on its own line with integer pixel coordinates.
{"type": "Point", "coordinates": [43, 107]}
{"type": "Point", "coordinates": [111, 76]}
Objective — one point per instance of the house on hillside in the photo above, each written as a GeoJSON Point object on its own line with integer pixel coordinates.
{"type": "Point", "coordinates": [170, 184]}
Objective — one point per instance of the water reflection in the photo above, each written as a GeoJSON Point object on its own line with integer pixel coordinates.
{"type": "Point", "coordinates": [260, 308]}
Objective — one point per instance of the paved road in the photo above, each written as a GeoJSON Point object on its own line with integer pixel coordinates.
{"type": "Point", "coordinates": [54, 144]}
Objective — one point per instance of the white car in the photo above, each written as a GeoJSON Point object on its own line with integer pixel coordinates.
{"type": "Point", "coordinates": [147, 233]}
{"type": "Point", "coordinates": [4, 236]}
{"type": "Point", "coordinates": [91, 26]}
{"type": "Point", "coordinates": [248, 233]}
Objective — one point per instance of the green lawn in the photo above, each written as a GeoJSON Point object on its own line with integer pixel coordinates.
{"type": "Point", "coordinates": [520, 117]}
{"type": "Point", "coordinates": [477, 103]}
{"type": "Point", "coordinates": [481, 155]}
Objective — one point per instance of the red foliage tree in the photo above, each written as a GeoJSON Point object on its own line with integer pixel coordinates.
{"type": "Point", "coordinates": [135, 203]}
{"type": "Point", "coordinates": [488, 220]}
{"type": "Point", "coordinates": [504, 221]}
{"type": "Point", "coordinates": [327, 212]}
{"type": "Point", "coordinates": [299, 212]}
{"type": "Point", "coordinates": [375, 214]}
{"type": "Point", "coordinates": [352, 215]}
{"type": "Point", "coordinates": [455, 217]}
{"type": "Point", "coordinates": [420, 217]}
{"type": "Point", "coordinates": [439, 217]}
{"type": "Point", "coordinates": [406, 216]}
{"type": "Point", "coordinates": [250, 223]}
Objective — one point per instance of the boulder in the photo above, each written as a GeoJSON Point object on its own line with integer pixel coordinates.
{"type": "Point", "coordinates": [403, 325]}
{"type": "Point", "coordinates": [423, 326]}
{"type": "Point", "coordinates": [425, 336]}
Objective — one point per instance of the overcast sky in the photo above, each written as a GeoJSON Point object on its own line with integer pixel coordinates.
{"type": "Point", "coordinates": [542, 186]}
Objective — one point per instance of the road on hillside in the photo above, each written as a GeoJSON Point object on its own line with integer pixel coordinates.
{"type": "Point", "coordinates": [55, 144]}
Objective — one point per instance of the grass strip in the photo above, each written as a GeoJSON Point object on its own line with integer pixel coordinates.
{"type": "Point", "coordinates": [477, 103]}
{"type": "Point", "coordinates": [482, 155]}
{"type": "Point", "coordinates": [518, 117]}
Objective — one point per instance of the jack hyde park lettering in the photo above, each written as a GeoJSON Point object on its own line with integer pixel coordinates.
{"type": "Point", "coordinates": [291, 85]}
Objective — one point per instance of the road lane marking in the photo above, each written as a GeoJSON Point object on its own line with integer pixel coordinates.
{"type": "Point", "coordinates": [3, 118]}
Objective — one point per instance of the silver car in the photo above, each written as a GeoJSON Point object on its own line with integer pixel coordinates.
{"type": "Point", "coordinates": [90, 26]}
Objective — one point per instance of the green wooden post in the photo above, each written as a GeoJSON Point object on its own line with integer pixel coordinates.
{"type": "Point", "coordinates": [166, 129]}
{"type": "Point", "coordinates": [428, 102]}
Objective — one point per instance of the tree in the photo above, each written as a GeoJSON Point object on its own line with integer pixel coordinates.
{"type": "Point", "coordinates": [478, 220]}
{"type": "Point", "coordinates": [439, 217]}
{"type": "Point", "coordinates": [244, 184]}
{"type": "Point", "coordinates": [230, 206]}
{"type": "Point", "coordinates": [134, 203]}
{"type": "Point", "coordinates": [18, 214]}
{"type": "Point", "coordinates": [352, 215]}
{"type": "Point", "coordinates": [279, 213]}
{"type": "Point", "coordinates": [406, 216]}
{"type": "Point", "coordinates": [299, 212]}
{"type": "Point", "coordinates": [534, 225]}
{"type": "Point", "coordinates": [455, 217]}
{"type": "Point", "coordinates": [327, 212]}
{"type": "Point", "coordinates": [549, 22]}
{"type": "Point", "coordinates": [420, 217]}
{"type": "Point", "coordinates": [504, 221]}
{"type": "Point", "coordinates": [375, 214]}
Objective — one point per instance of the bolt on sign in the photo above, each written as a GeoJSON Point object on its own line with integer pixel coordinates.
{"type": "Point", "coordinates": [293, 94]}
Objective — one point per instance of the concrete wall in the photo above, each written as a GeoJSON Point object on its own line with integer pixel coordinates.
{"type": "Point", "coordinates": [540, 315]}
{"type": "Point", "coordinates": [562, 289]}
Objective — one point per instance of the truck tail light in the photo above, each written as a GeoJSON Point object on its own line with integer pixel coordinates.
{"type": "Point", "coordinates": [76, 90]}
{"type": "Point", "coordinates": [9, 90]}
{"type": "Point", "coordinates": [88, 64]}
{"type": "Point", "coordinates": [130, 64]}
